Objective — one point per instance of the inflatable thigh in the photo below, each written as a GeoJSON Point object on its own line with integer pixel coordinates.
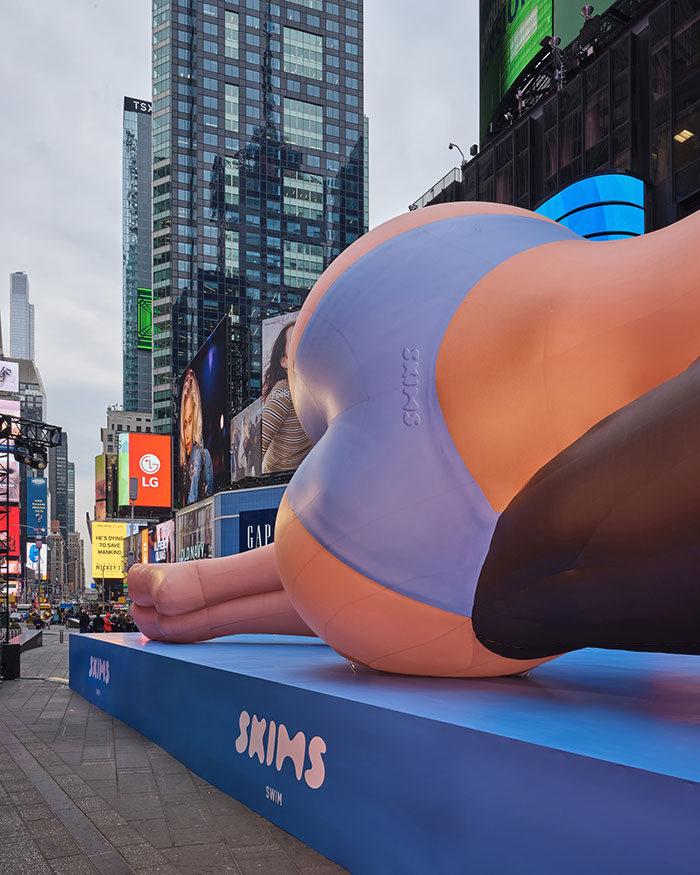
{"type": "Point", "coordinates": [437, 365]}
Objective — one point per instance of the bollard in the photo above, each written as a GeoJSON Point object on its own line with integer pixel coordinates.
{"type": "Point", "coordinates": [60, 635]}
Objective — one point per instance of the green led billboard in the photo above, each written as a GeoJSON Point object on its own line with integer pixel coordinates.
{"type": "Point", "coordinates": [568, 20]}
{"type": "Point", "coordinates": [510, 32]}
{"type": "Point", "coordinates": [144, 319]}
{"type": "Point", "coordinates": [123, 475]}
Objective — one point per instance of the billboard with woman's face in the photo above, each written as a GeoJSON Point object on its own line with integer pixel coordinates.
{"type": "Point", "coordinates": [202, 457]}
{"type": "Point", "coordinates": [284, 444]}
{"type": "Point", "coordinates": [246, 450]}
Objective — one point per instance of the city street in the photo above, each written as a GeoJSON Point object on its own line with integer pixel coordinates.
{"type": "Point", "coordinates": [81, 792]}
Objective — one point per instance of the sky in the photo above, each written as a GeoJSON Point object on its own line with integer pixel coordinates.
{"type": "Point", "coordinates": [66, 67]}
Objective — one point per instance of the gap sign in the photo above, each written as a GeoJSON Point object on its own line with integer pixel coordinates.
{"type": "Point", "coordinates": [256, 528]}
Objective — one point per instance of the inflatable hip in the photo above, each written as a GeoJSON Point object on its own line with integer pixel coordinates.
{"type": "Point", "coordinates": [442, 362]}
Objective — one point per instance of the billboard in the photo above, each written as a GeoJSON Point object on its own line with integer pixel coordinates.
{"type": "Point", "coordinates": [143, 546]}
{"type": "Point", "coordinates": [161, 542]}
{"type": "Point", "coordinates": [37, 557]}
{"type": "Point", "coordinates": [195, 533]}
{"type": "Point", "coordinates": [9, 377]}
{"type": "Point", "coordinates": [203, 420]}
{"type": "Point", "coordinates": [148, 458]}
{"type": "Point", "coordinates": [9, 476]}
{"type": "Point", "coordinates": [108, 549]}
{"type": "Point", "coordinates": [144, 319]}
{"type": "Point", "coordinates": [13, 535]}
{"type": "Point", "coordinates": [256, 528]}
{"type": "Point", "coordinates": [510, 35]}
{"type": "Point", "coordinates": [568, 20]}
{"type": "Point", "coordinates": [246, 442]}
{"type": "Point", "coordinates": [36, 506]}
{"type": "Point", "coordinates": [284, 444]}
{"type": "Point", "coordinates": [100, 487]}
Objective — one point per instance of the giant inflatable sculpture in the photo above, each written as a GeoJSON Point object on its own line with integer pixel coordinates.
{"type": "Point", "coordinates": [506, 461]}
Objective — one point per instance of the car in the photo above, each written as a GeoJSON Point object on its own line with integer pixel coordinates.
{"type": "Point", "coordinates": [17, 615]}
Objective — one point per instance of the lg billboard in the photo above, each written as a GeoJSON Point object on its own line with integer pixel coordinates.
{"type": "Point", "coordinates": [147, 457]}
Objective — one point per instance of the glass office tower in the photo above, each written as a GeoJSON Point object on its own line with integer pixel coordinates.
{"type": "Point", "coordinates": [259, 170]}
{"type": "Point", "coordinates": [21, 317]}
{"type": "Point", "coordinates": [137, 344]}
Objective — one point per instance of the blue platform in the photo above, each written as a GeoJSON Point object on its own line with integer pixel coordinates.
{"type": "Point", "coordinates": [590, 764]}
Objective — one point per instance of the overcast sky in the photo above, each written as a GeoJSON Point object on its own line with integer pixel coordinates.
{"type": "Point", "coordinates": [65, 68]}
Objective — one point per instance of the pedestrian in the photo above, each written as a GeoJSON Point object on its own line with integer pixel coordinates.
{"type": "Point", "coordinates": [108, 623]}
{"type": "Point", "coordinates": [98, 624]}
{"type": "Point", "coordinates": [84, 620]}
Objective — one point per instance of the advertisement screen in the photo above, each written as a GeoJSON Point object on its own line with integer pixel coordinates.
{"type": "Point", "coordinates": [284, 444]}
{"type": "Point", "coordinates": [9, 477]}
{"type": "Point", "coordinates": [36, 506]}
{"type": "Point", "coordinates": [13, 534]}
{"type": "Point", "coordinates": [143, 546]}
{"type": "Point", "coordinates": [150, 461]}
{"type": "Point", "coordinates": [123, 463]}
{"type": "Point", "coordinates": [37, 556]}
{"type": "Point", "coordinates": [161, 542]}
{"type": "Point", "coordinates": [100, 487]}
{"type": "Point", "coordinates": [144, 316]}
{"type": "Point", "coordinates": [9, 377]}
{"type": "Point", "coordinates": [108, 549]}
{"type": "Point", "coordinates": [510, 36]}
{"type": "Point", "coordinates": [203, 420]}
{"type": "Point", "coordinates": [246, 442]}
{"type": "Point", "coordinates": [568, 20]}
{"type": "Point", "coordinates": [195, 533]}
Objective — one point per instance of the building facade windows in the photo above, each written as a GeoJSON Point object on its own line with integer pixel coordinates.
{"type": "Point", "coordinates": [303, 264]}
{"type": "Point", "coordinates": [303, 123]}
{"type": "Point", "coordinates": [303, 53]}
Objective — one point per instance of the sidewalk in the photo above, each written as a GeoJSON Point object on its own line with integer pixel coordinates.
{"type": "Point", "coordinates": [82, 793]}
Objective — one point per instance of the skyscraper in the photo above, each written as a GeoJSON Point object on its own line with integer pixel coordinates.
{"type": "Point", "coordinates": [259, 169]}
{"type": "Point", "coordinates": [137, 345]}
{"type": "Point", "coordinates": [58, 485]}
{"type": "Point", "coordinates": [21, 317]}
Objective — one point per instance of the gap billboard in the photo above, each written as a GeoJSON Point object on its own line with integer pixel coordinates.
{"type": "Point", "coordinates": [147, 457]}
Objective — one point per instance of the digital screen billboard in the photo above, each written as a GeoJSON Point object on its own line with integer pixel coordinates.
{"type": "Point", "coordinates": [108, 549]}
{"type": "Point", "coordinates": [195, 533]}
{"type": "Point", "coordinates": [13, 534]}
{"type": "Point", "coordinates": [144, 319]}
{"type": "Point", "coordinates": [568, 20]}
{"type": "Point", "coordinates": [161, 542]}
{"type": "Point", "coordinates": [9, 476]}
{"type": "Point", "coordinates": [246, 442]}
{"type": "Point", "coordinates": [510, 36]}
{"type": "Point", "coordinates": [100, 487]}
{"type": "Point", "coordinates": [9, 377]}
{"type": "Point", "coordinates": [36, 506]}
{"type": "Point", "coordinates": [37, 557]}
{"type": "Point", "coordinates": [284, 444]}
{"type": "Point", "coordinates": [148, 458]}
{"type": "Point", "coordinates": [203, 420]}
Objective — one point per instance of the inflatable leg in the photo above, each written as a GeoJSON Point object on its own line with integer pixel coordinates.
{"type": "Point", "coordinates": [195, 601]}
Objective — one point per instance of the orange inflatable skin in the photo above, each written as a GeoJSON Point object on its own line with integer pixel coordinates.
{"type": "Point", "coordinates": [543, 347]}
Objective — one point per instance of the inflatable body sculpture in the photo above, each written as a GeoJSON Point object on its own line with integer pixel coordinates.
{"type": "Point", "coordinates": [506, 429]}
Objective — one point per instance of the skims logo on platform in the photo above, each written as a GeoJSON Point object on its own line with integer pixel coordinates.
{"type": "Point", "coordinates": [150, 465]}
{"type": "Point", "coordinates": [99, 669]}
{"type": "Point", "coordinates": [277, 746]}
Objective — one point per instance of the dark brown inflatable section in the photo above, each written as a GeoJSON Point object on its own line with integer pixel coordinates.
{"type": "Point", "coordinates": [602, 547]}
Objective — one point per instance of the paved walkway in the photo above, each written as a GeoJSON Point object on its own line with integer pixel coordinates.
{"type": "Point", "coordinates": [81, 792]}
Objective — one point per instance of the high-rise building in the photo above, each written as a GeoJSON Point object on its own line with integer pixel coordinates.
{"type": "Point", "coordinates": [120, 420]}
{"type": "Point", "coordinates": [259, 170]}
{"type": "Point", "coordinates": [137, 344]}
{"type": "Point", "coordinates": [600, 132]}
{"type": "Point", "coordinates": [58, 486]}
{"type": "Point", "coordinates": [21, 317]}
{"type": "Point", "coordinates": [76, 564]}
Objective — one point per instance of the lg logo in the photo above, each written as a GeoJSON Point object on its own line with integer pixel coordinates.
{"type": "Point", "coordinates": [150, 465]}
